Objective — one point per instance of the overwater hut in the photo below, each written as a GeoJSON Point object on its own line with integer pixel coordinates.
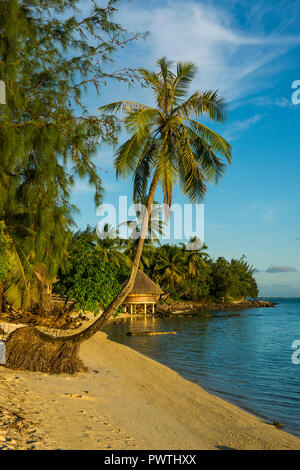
{"type": "Point", "coordinates": [144, 293]}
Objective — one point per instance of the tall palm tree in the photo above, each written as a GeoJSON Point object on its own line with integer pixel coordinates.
{"type": "Point", "coordinates": [167, 145]}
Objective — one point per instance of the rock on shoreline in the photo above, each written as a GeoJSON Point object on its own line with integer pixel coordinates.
{"type": "Point", "coordinates": [183, 308]}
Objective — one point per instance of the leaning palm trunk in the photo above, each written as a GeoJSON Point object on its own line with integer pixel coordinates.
{"type": "Point", "coordinates": [30, 349]}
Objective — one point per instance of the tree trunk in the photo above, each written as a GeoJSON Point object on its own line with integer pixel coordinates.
{"type": "Point", "coordinates": [91, 330]}
{"type": "Point", "coordinates": [45, 305]}
{"type": "Point", "coordinates": [31, 349]}
{"type": "Point", "coordinates": [1, 296]}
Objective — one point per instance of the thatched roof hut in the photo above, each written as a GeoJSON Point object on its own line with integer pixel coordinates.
{"type": "Point", "coordinates": [144, 292]}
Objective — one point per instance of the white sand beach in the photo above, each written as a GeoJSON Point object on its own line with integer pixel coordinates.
{"type": "Point", "coordinates": [125, 401]}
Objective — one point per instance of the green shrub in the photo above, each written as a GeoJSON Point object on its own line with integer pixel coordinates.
{"type": "Point", "coordinates": [87, 279]}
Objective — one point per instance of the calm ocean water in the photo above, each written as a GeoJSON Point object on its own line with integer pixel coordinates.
{"type": "Point", "coordinates": [245, 359]}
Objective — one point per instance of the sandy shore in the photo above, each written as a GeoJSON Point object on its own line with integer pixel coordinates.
{"type": "Point", "coordinates": [125, 401]}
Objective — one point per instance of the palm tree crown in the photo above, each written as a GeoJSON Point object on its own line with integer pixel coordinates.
{"type": "Point", "coordinates": [168, 140]}
{"type": "Point", "coordinates": [170, 266]}
{"type": "Point", "coordinates": [110, 245]}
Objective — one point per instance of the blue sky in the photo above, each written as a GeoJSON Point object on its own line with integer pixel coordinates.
{"type": "Point", "coordinates": [249, 51]}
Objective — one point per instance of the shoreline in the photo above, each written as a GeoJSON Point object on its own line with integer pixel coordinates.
{"type": "Point", "coordinates": [128, 401]}
{"type": "Point", "coordinates": [197, 307]}
{"type": "Point", "coordinates": [174, 308]}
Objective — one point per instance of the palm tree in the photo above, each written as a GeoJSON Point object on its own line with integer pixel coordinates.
{"type": "Point", "coordinates": [20, 285]}
{"type": "Point", "coordinates": [194, 255]}
{"type": "Point", "coordinates": [155, 225]}
{"type": "Point", "coordinates": [147, 254]}
{"type": "Point", "coordinates": [29, 279]}
{"type": "Point", "coordinates": [170, 266]}
{"type": "Point", "coordinates": [155, 229]}
{"type": "Point", "coordinates": [167, 145]}
{"type": "Point", "coordinates": [110, 246]}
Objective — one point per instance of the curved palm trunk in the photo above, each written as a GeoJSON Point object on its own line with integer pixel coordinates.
{"type": "Point", "coordinates": [91, 330]}
{"type": "Point", "coordinates": [31, 349]}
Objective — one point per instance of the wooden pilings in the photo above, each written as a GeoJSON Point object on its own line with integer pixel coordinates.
{"type": "Point", "coordinates": [138, 308]}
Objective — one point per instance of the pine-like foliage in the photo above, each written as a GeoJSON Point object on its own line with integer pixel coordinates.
{"type": "Point", "coordinates": [51, 52]}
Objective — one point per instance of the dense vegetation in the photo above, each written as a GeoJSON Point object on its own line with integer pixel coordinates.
{"type": "Point", "coordinates": [96, 268]}
{"type": "Point", "coordinates": [51, 53]}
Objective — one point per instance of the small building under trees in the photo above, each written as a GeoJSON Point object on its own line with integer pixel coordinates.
{"type": "Point", "coordinates": [145, 293]}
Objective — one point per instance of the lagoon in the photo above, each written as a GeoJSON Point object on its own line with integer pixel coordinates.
{"type": "Point", "coordinates": [245, 359]}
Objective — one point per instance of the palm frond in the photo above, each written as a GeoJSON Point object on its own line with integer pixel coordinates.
{"type": "Point", "coordinates": [142, 171]}
{"type": "Point", "coordinates": [208, 102]}
{"type": "Point", "coordinates": [127, 157]}
{"type": "Point", "coordinates": [139, 122]}
{"type": "Point", "coordinates": [21, 284]}
{"type": "Point", "coordinates": [165, 69]}
{"type": "Point", "coordinates": [216, 142]}
{"type": "Point", "coordinates": [150, 77]}
{"type": "Point", "coordinates": [192, 180]}
{"type": "Point", "coordinates": [121, 106]}
{"type": "Point", "coordinates": [186, 71]}
{"type": "Point", "coordinates": [211, 166]}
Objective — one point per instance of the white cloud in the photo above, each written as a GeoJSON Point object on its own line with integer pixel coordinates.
{"type": "Point", "coordinates": [282, 102]}
{"type": "Point", "coordinates": [280, 269]}
{"type": "Point", "coordinates": [269, 101]}
{"type": "Point", "coordinates": [228, 59]}
{"type": "Point", "coordinates": [237, 128]}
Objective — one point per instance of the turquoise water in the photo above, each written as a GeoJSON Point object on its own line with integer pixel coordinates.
{"type": "Point", "coordinates": [245, 359]}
